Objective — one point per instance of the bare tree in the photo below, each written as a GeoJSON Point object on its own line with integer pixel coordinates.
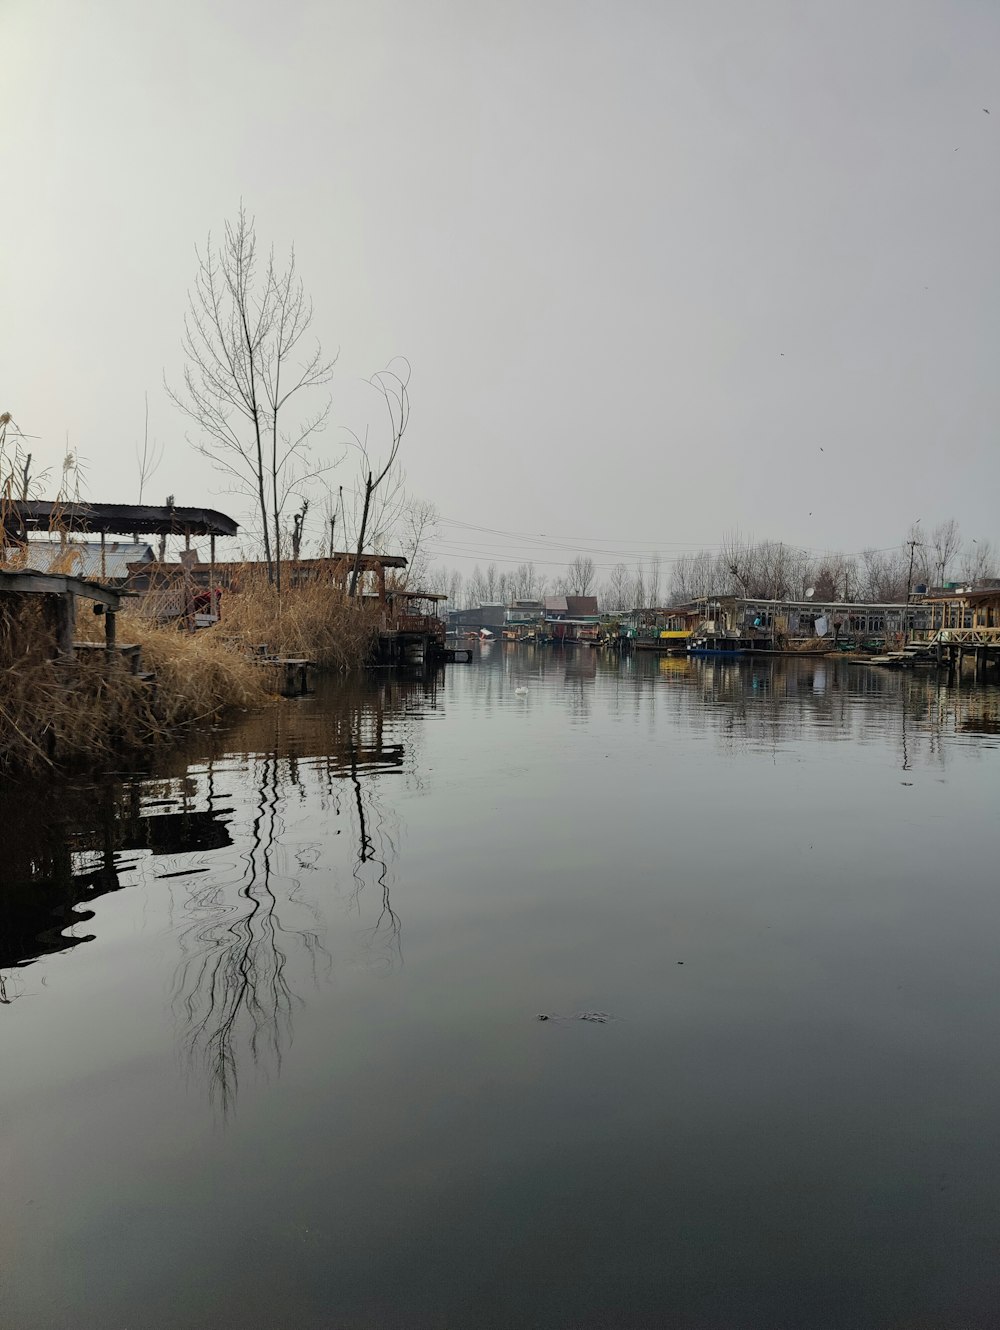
{"type": "Point", "coordinates": [476, 592]}
{"type": "Point", "coordinates": [298, 522]}
{"type": "Point", "coordinates": [334, 521]}
{"type": "Point", "coordinates": [946, 542]}
{"type": "Point", "coordinates": [416, 531]}
{"type": "Point", "coordinates": [241, 330]}
{"type": "Point", "coordinates": [385, 479]}
{"type": "Point", "coordinates": [617, 589]}
{"type": "Point", "coordinates": [653, 581]}
{"type": "Point", "coordinates": [291, 317]}
{"type": "Point", "coordinates": [882, 576]}
{"type": "Point", "coordinates": [492, 584]}
{"type": "Point", "coordinates": [580, 576]}
{"type": "Point", "coordinates": [525, 582]}
{"type": "Point", "coordinates": [455, 588]}
{"type": "Point", "coordinates": [637, 591]}
{"type": "Point", "coordinates": [696, 575]}
{"type": "Point", "coordinates": [148, 457]}
{"type": "Point", "coordinates": [979, 561]}
{"type": "Point", "coordinates": [738, 558]}
{"type": "Point", "coordinates": [831, 577]}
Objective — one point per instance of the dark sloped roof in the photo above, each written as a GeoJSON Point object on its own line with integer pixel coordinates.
{"type": "Point", "coordinates": [121, 519]}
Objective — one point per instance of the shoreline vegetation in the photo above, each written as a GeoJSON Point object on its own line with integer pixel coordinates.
{"type": "Point", "coordinates": [61, 713]}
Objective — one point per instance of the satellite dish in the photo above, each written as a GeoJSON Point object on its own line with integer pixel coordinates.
{"type": "Point", "coordinates": [810, 592]}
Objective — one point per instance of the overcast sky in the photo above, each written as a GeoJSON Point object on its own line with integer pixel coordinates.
{"type": "Point", "coordinates": [662, 269]}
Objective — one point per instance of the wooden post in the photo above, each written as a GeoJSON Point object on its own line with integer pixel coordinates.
{"type": "Point", "coordinates": [212, 606]}
{"type": "Point", "coordinates": [381, 582]}
{"type": "Point", "coordinates": [110, 631]}
{"type": "Point", "coordinates": [66, 623]}
{"type": "Point", "coordinates": [104, 566]}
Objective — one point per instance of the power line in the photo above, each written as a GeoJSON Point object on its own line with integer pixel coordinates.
{"type": "Point", "coordinates": [563, 542]}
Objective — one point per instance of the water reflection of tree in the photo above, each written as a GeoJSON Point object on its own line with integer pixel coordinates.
{"type": "Point", "coordinates": [232, 987]}
{"type": "Point", "coordinates": [378, 846]}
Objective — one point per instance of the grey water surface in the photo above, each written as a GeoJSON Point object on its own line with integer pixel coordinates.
{"type": "Point", "coordinates": [270, 1039]}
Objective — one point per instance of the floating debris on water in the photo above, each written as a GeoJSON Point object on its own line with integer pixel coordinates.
{"type": "Point", "coordinates": [596, 1017]}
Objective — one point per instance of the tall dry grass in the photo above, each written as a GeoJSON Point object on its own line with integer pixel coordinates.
{"type": "Point", "coordinates": [57, 712]}
{"type": "Point", "coordinates": [317, 622]}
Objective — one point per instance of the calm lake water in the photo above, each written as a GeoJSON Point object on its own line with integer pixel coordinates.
{"type": "Point", "coordinates": [271, 1049]}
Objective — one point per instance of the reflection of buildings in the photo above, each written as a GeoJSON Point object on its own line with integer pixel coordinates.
{"type": "Point", "coordinates": [79, 845]}
{"type": "Point", "coordinates": [211, 830]}
{"type": "Point", "coordinates": [760, 703]}
{"type": "Point", "coordinates": [75, 844]}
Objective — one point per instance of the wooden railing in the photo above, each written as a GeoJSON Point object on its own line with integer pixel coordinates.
{"type": "Point", "coordinates": [983, 637]}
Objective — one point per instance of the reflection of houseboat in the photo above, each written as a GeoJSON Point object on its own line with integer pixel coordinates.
{"type": "Point", "coordinates": [719, 643]}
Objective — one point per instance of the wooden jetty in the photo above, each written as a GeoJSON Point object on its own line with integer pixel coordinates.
{"type": "Point", "coordinates": [293, 675]}
{"type": "Point", "coordinates": [411, 637]}
{"type": "Point", "coordinates": [963, 628]}
{"type": "Point", "coordinates": [62, 593]}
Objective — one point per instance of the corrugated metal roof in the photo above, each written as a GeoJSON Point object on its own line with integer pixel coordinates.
{"type": "Point", "coordinates": [123, 519]}
{"type": "Point", "coordinates": [83, 558]}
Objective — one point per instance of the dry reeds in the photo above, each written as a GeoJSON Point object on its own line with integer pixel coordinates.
{"type": "Point", "coordinates": [196, 675]}
{"type": "Point", "coordinates": [317, 622]}
{"type": "Point", "coordinates": [59, 711]}
{"type": "Point", "coordinates": [55, 712]}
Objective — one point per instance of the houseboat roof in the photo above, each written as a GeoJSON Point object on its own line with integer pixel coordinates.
{"type": "Point", "coordinates": [396, 594]}
{"type": "Point", "coordinates": [974, 594]}
{"type": "Point", "coordinates": [369, 563]}
{"type": "Point", "coordinates": [121, 519]}
{"type": "Point", "coordinates": [844, 606]}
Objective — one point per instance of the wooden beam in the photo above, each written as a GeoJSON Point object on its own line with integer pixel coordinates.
{"type": "Point", "coordinates": [57, 584]}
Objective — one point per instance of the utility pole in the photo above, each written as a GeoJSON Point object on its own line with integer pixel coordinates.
{"type": "Point", "coordinates": [909, 583]}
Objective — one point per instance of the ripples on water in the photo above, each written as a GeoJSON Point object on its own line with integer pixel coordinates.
{"type": "Point", "coordinates": [270, 1042]}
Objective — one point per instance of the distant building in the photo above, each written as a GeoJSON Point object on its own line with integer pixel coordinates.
{"type": "Point", "coordinates": [769, 623]}
{"type": "Point", "coordinates": [524, 612]}
{"type": "Point", "coordinates": [481, 616]}
{"type": "Point", "coordinates": [87, 559]}
{"type": "Point", "coordinates": [571, 618]}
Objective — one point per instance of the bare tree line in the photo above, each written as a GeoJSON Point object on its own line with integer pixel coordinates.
{"type": "Point", "coordinates": [742, 566]}
{"type": "Point", "coordinates": [501, 586]}
{"type": "Point", "coordinates": [771, 569]}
